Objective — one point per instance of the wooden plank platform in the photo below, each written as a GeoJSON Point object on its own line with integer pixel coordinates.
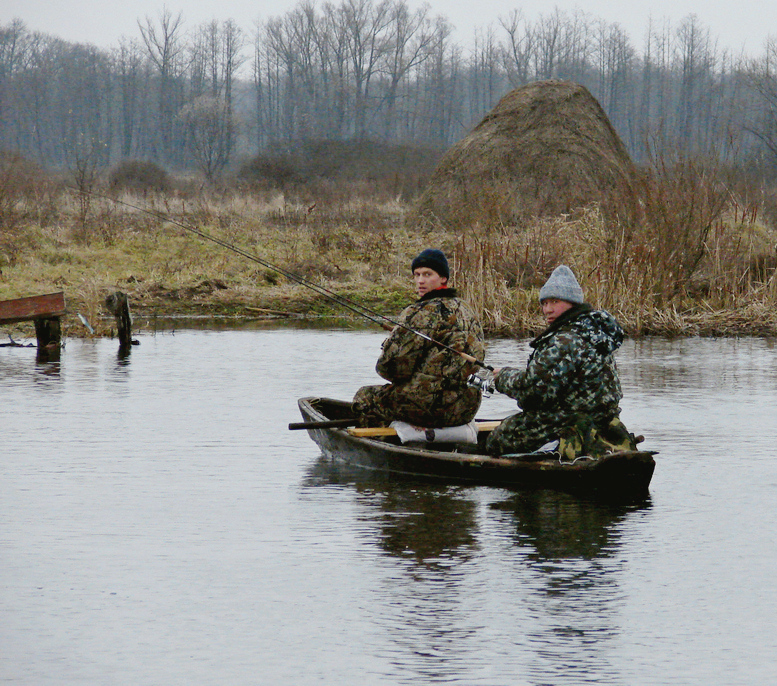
{"type": "Point", "coordinates": [49, 306]}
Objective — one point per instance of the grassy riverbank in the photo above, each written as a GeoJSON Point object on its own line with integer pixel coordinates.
{"type": "Point", "coordinates": [706, 274]}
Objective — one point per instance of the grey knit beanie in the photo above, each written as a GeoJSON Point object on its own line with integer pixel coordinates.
{"type": "Point", "coordinates": [562, 285]}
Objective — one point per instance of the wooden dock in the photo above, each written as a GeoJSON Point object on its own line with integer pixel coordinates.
{"type": "Point", "coordinates": [44, 310]}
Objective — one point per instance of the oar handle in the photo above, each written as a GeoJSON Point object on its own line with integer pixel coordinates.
{"type": "Point", "coordinates": [327, 424]}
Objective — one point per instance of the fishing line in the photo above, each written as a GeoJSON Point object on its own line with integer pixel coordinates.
{"type": "Point", "coordinates": [355, 307]}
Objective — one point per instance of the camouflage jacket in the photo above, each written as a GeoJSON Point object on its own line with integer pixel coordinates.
{"type": "Point", "coordinates": [571, 370]}
{"type": "Point", "coordinates": [426, 369]}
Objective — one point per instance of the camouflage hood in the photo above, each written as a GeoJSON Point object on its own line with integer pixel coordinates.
{"type": "Point", "coordinates": [571, 369]}
{"type": "Point", "coordinates": [597, 327]}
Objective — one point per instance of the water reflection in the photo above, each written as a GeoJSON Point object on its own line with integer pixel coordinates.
{"type": "Point", "coordinates": [20, 366]}
{"type": "Point", "coordinates": [556, 525]}
{"type": "Point", "coordinates": [51, 369]}
{"type": "Point", "coordinates": [430, 535]}
{"type": "Point", "coordinates": [432, 532]}
{"type": "Point", "coordinates": [682, 364]}
{"type": "Point", "coordinates": [567, 569]}
{"type": "Point", "coordinates": [426, 523]}
{"type": "Point", "coordinates": [428, 526]}
{"type": "Point", "coordinates": [48, 354]}
{"type": "Point", "coordinates": [572, 546]}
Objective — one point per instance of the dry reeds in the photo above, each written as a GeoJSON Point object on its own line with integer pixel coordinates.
{"type": "Point", "coordinates": [672, 256]}
{"type": "Point", "coordinates": [673, 253]}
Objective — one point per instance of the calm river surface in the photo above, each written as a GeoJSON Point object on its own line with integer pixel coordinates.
{"type": "Point", "coordinates": [159, 524]}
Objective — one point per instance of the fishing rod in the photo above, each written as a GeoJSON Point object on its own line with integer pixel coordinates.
{"type": "Point", "coordinates": [355, 307]}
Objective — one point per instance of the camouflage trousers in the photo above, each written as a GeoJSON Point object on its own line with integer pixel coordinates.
{"type": "Point", "coordinates": [577, 435]}
{"type": "Point", "coordinates": [521, 433]}
{"type": "Point", "coordinates": [375, 405]}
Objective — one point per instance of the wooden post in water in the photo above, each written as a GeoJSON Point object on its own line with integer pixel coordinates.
{"type": "Point", "coordinates": [118, 305]}
{"type": "Point", "coordinates": [48, 331]}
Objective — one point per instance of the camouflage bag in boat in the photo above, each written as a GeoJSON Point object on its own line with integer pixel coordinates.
{"type": "Point", "coordinates": [585, 438]}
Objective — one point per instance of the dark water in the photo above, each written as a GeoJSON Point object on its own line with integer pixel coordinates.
{"type": "Point", "coordinates": [159, 524]}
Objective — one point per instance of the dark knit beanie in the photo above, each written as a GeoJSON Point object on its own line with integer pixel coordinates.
{"type": "Point", "coordinates": [434, 259]}
{"type": "Point", "coordinates": [562, 285]}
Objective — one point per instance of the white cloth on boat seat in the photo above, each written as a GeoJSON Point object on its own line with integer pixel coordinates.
{"type": "Point", "coordinates": [465, 433]}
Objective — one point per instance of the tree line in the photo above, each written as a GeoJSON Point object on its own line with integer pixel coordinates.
{"type": "Point", "coordinates": [374, 70]}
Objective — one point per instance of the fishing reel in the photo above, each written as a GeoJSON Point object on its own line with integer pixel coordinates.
{"type": "Point", "coordinates": [484, 385]}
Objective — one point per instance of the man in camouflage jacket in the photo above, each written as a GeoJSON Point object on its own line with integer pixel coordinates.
{"type": "Point", "coordinates": [428, 383]}
{"type": "Point", "coordinates": [570, 381]}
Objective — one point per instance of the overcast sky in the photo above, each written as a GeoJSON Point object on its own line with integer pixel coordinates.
{"type": "Point", "coordinates": [736, 24]}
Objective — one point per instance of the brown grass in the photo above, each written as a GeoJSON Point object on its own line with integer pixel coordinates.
{"type": "Point", "coordinates": [675, 254]}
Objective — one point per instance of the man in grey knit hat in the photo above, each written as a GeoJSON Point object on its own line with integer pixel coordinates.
{"type": "Point", "coordinates": [570, 387]}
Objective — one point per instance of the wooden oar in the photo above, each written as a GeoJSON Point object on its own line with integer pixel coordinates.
{"type": "Point", "coordinates": [328, 424]}
{"type": "Point", "coordinates": [371, 432]}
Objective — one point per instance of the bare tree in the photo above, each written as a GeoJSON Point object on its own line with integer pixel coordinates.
{"type": "Point", "coordinates": [28, 69]}
{"type": "Point", "coordinates": [439, 108]}
{"type": "Point", "coordinates": [575, 48]}
{"type": "Point", "coordinates": [696, 55]}
{"type": "Point", "coordinates": [366, 26]}
{"type": "Point", "coordinates": [547, 44]}
{"type": "Point", "coordinates": [761, 76]}
{"type": "Point", "coordinates": [216, 58]}
{"type": "Point", "coordinates": [485, 74]}
{"type": "Point", "coordinates": [517, 54]}
{"type": "Point", "coordinates": [282, 55]}
{"type": "Point", "coordinates": [14, 51]}
{"type": "Point", "coordinates": [210, 128]}
{"type": "Point", "coordinates": [408, 45]}
{"type": "Point", "coordinates": [615, 60]}
{"type": "Point", "coordinates": [165, 50]}
{"type": "Point", "coordinates": [263, 93]}
{"type": "Point", "coordinates": [310, 48]}
{"type": "Point", "coordinates": [131, 75]}
{"type": "Point", "coordinates": [84, 102]}
{"type": "Point", "coordinates": [365, 69]}
{"type": "Point", "coordinates": [233, 42]}
{"type": "Point", "coordinates": [333, 46]}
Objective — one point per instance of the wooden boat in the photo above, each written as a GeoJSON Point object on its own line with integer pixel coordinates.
{"type": "Point", "coordinates": [614, 475]}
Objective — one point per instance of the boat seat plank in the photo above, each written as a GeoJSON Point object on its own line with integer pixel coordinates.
{"type": "Point", "coordinates": [376, 431]}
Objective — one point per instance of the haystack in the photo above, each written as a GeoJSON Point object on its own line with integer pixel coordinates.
{"type": "Point", "coordinates": [547, 148]}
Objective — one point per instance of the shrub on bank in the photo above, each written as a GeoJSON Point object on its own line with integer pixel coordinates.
{"type": "Point", "coordinates": [138, 175]}
{"type": "Point", "coordinates": [315, 166]}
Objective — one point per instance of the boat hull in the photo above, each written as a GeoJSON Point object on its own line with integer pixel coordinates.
{"type": "Point", "coordinates": [615, 475]}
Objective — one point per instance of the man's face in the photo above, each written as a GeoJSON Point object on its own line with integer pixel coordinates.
{"type": "Point", "coordinates": [427, 280]}
{"type": "Point", "coordinates": [553, 308]}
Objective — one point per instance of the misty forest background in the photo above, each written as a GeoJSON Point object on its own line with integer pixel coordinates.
{"type": "Point", "coordinates": [212, 97]}
{"type": "Point", "coordinates": [310, 139]}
